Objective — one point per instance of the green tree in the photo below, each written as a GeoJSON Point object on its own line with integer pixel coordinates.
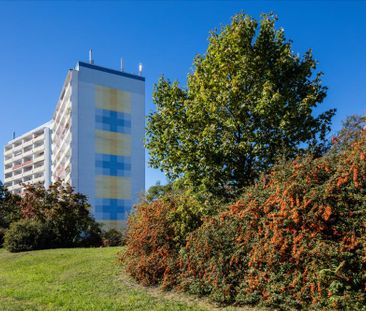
{"type": "Point", "coordinates": [9, 210]}
{"type": "Point", "coordinates": [64, 211]}
{"type": "Point", "coordinates": [248, 102]}
{"type": "Point", "coordinates": [157, 191]}
{"type": "Point", "coordinates": [351, 132]}
{"type": "Point", "coordinates": [9, 207]}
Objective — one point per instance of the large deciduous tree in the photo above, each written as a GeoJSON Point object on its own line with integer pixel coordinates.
{"type": "Point", "coordinates": [248, 102]}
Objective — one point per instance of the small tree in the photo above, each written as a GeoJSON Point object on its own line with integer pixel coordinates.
{"type": "Point", "coordinates": [57, 215]}
{"type": "Point", "coordinates": [351, 131]}
{"type": "Point", "coordinates": [9, 210]}
{"type": "Point", "coordinates": [248, 102]}
{"type": "Point", "coordinates": [9, 207]}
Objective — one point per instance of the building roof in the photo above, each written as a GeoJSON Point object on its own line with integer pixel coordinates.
{"type": "Point", "coordinates": [47, 124]}
{"type": "Point", "coordinates": [108, 70]}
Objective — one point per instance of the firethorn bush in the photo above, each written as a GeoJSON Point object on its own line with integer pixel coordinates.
{"type": "Point", "coordinates": [296, 239]}
{"type": "Point", "coordinates": [156, 232]}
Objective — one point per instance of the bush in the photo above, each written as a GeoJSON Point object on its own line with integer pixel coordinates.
{"type": "Point", "coordinates": [113, 237]}
{"type": "Point", "coordinates": [2, 233]}
{"type": "Point", "coordinates": [156, 232]}
{"type": "Point", "coordinates": [89, 236]}
{"type": "Point", "coordinates": [295, 239]}
{"type": "Point", "coordinates": [27, 235]}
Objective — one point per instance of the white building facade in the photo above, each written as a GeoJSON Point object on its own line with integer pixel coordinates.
{"type": "Point", "coordinates": [27, 159]}
{"type": "Point", "coordinates": [97, 140]}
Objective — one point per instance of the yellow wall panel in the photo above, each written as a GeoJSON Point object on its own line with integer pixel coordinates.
{"type": "Point", "coordinates": [112, 99]}
{"type": "Point", "coordinates": [112, 143]}
{"type": "Point", "coordinates": [113, 187]}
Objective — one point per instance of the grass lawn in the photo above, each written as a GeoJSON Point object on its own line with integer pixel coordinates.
{"type": "Point", "coordinates": [79, 279]}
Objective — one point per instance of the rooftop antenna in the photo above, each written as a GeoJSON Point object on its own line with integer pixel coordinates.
{"type": "Point", "coordinates": [140, 69]}
{"type": "Point", "coordinates": [122, 64]}
{"type": "Point", "coordinates": [91, 61]}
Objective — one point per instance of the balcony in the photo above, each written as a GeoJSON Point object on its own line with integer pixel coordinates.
{"type": "Point", "coordinates": [17, 156]}
{"type": "Point", "coordinates": [27, 152]}
{"type": "Point", "coordinates": [17, 146]}
{"type": "Point", "coordinates": [8, 160]}
{"type": "Point", "coordinates": [28, 171]}
{"type": "Point", "coordinates": [39, 150]}
{"type": "Point", "coordinates": [38, 169]}
{"type": "Point", "coordinates": [8, 184]}
{"type": "Point", "coordinates": [27, 148]}
{"type": "Point", "coordinates": [27, 143]}
{"type": "Point", "coordinates": [17, 182]}
{"type": "Point", "coordinates": [8, 150]}
{"type": "Point", "coordinates": [37, 180]}
{"type": "Point", "coordinates": [39, 137]}
{"type": "Point", "coordinates": [27, 164]}
{"type": "Point", "coordinates": [17, 165]}
{"type": "Point", "coordinates": [17, 173]}
{"type": "Point", "coordinates": [8, 168]}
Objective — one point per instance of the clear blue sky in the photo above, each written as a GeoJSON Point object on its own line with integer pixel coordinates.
{"type": "Point", "coordinates": [40, 40]}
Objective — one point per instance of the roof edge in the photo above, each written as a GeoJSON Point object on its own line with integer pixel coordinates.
{"type": "Point", "coordinates": [111, 71]}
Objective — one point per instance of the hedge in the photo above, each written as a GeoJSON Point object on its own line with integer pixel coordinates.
{"type": "Point", "coordinates": [296, 239]}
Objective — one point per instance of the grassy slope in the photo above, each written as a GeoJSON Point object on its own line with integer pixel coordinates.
{"type": "Point", "coordinates": [74, 279]}
{"type": "Point", "coordinates": [84, 279]}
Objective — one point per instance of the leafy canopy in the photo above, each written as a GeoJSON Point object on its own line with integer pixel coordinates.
{"type": "Point", "coordinates": [157, 191]}
{"type": "Point", "coordinates": [9, 207]}
{"type": "Point", "coordinates": [64, 211]}
{"type": "Point", "coordinates": [248, 102]}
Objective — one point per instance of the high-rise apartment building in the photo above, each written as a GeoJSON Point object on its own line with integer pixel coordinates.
{"type": "Point", "coordinates": [98, 131]}
{"type": "Point", "coordinates": [27, 159]}
{"type": "Point", "coordinates": [97, 139]}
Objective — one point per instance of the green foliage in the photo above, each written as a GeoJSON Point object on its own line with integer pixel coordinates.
{"type": "Point", "coordinates": [186, 214]}
{"type": "Point", "coordinates": [296, 239]}
{"type": "Point", "coordinates": [113, 237]}
{"type": "Point", "coordinates": [205, 273]}
{"type": "Point", "coordinates": [249, 102]}
{"type": "Point", "coordinates": [157, 191]}
{"type": "Point", "coordinates": [27, 235]}
{"type": "Point", "coordinates": [65, 211]}
{"type": "Point", "coordinates": [2, 234]}
{"type": "Point", "coordinates": [9, 207]}
{"type": "Point", "coordinates": [9, 210]}
{"type": "Point", "coordinates": [350, 132]}
{"type": "Point", "coordinates": [89, 234]}
{"type": "Point", "coordinates": [53, 217]}
{"type": "Point", "coordinates": [156, 232]}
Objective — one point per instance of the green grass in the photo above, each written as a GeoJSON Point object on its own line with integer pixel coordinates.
{"type": "Point", "coordinates": [75, 279]}
{"type": "Point", "coordinates": [83, 279]}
